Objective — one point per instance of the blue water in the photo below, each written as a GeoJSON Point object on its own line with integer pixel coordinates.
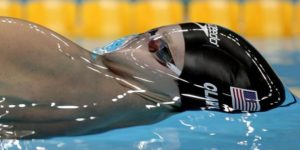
{"type": "Point", "coordinates": [272, 130]}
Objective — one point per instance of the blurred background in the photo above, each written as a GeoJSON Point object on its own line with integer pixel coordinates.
{"type": "Point", "coordinates": [273, 26]}
{"type": "Point", "coordinates": [107, 19]}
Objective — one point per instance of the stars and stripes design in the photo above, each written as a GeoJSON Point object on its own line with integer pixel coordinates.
{"type": "Point", "coordinates": [243, 99]}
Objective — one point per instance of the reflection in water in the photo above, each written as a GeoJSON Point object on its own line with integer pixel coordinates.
{"type": "Point", "coordinates": [247, 119]}
{"type": "Point", "coordinates": [145, 144]}
{"type": "Point", "coordinates": [7, 144]}
{"type": "Point", "coordinates": [163, 138]}
{"type": "Point", "coordinates": [187, 125]}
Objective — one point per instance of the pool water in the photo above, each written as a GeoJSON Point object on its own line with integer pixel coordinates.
{"type": "Point", "coordinates": [275, 129]}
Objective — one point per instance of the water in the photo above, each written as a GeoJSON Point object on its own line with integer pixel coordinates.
{"type": "Point", "coordinates": [275, 129]}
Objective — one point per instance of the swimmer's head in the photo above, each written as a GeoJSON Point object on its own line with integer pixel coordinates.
{"type": "Point", "coordinates": [209, 66]}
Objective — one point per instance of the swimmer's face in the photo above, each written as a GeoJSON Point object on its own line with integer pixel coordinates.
{"type": "Point", "coordinates": [156, 56]}
{"type": "Point", "coordinates": [167, 46]}
{"type": "Point", "coordinates": [161, 47]}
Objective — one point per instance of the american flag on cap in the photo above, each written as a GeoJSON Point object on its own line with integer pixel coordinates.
{"type": "Point", "coordinates": [243, 99]}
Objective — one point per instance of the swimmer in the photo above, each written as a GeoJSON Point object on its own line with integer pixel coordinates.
{"type": "Point", "coordinates": [49, 86]}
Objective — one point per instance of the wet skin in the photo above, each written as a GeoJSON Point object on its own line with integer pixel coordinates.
{"type": "Point", "coordinates": [49, 86]}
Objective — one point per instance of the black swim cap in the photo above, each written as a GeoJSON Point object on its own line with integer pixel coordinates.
{"type": "Point", "coordinates": [226, 73]}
